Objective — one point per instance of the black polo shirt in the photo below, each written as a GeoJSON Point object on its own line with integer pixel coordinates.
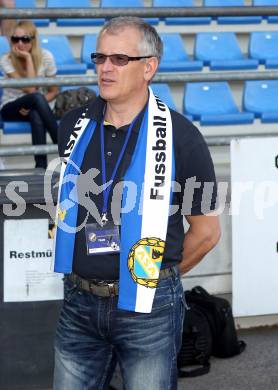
{"type": "Point", "coordinates": [192, 164]}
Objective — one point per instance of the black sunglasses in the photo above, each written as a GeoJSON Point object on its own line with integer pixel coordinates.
{"type": "Point", "coordinates": [116, 59]}
{"type": "Point", "coordinates": [23, 38]}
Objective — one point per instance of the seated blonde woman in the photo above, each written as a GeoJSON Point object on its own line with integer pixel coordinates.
{"type": "Point", "coordinates": [27, 60]}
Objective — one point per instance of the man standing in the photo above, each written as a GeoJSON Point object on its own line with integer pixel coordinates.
{"type": "Point", "coordinates": [123, 295]}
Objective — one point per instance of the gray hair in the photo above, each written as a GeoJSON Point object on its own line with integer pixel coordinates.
{"type": "Point", "coordinates": [151, 43]}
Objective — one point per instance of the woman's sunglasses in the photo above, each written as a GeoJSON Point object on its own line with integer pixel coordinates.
{"type": "Point", "coordinates": [116, 59]}
{"type": "Point", "coordinates": [23, 39]}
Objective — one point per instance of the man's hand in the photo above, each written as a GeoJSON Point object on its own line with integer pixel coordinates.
{"type": "Point", "coordinates": [203, 234]}
{"type": "Point", "coordinates": [24, 111]}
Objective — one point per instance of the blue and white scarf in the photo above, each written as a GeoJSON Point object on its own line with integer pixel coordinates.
{"type": "Point", "coordinates": [144, 228]}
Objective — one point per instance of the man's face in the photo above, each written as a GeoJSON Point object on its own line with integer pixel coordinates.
{"type": "Point", "coordinates": [121, 83]}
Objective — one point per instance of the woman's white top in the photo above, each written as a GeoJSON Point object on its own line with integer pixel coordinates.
{"type": "Point", "coordinates": [46, 69]}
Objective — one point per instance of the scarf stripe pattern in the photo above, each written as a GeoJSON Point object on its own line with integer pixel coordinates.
{"type": "Point", "coordinates": [144, 229]}
{"type": "Point", "coordinates": [67, 209]}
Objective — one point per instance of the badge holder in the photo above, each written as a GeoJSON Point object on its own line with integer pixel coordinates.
{"type": "Point", "coordinates": [102, 239]}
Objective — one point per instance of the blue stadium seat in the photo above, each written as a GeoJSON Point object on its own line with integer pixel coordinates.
{"type": "Point", "coordinates": [129, 4]}
{"type": "Point", "coordinates": [263, 3]}
{"type": "Point", "coordinates": [75, 21]}
{"type": "Point", "coordinates": [163, 91]}
{"type": "Point", "coordinates": [89, 46]}
{"type": "Point", "coordinates": [175, 58]}
{"type": "Point", "coordinates": [4, 45]}
{"type": "Point", "coordinates": [16, 128]}
{"type": "Point", "coordinates": [221, 51]}
{"type": "Point", "coordinates": [232, 19]}
{"type": "Point", "coordinates": [258, 98]}
{"type": "Point", "coordinates": [212, 103]}
{"type": "Point", "coordinates": [263, 46]}
{"type": "Point", "coordinates": [59, 46]}
{"type": "Point", "coordinates": [179, 20]}
{"type": "Point", "coordinates": [32, 4]}
{"type": "Point", "coordinates": [4, 48]}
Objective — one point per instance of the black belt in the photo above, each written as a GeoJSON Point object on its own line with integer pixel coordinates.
{"type": "Point", "coordinates": [107, 289]}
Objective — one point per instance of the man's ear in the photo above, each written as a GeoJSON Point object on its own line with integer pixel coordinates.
{"type": "Point", "coordinates": [150, 68]}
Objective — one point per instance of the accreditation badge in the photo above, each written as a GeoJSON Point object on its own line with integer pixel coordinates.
{"type": "Point", "coordinates": [102, 239]}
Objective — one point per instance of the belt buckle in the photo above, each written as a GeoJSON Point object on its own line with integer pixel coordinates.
{"type": "Point", "coordinates": [111, 289]}
{"type": "Point", "coordinates": [91, 287]}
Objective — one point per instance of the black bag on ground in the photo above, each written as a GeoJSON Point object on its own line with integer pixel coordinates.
{"type": "Point", "coordinates": [72, 98]}
{"type": "Point", "coordinates": [219, 314]}
{"type": "Point", "coordinates": [208, 329]}
{"type": "Point", "coordinates": [196, 343]}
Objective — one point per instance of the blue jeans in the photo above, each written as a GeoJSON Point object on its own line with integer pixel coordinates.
{"type": "Point", "coordinates": [93, 335]}
{"type": "Point", "coordinates": [40, 117]}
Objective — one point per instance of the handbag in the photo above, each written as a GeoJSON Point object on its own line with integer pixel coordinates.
{"type": "Point", "coordinates": [72, 98]}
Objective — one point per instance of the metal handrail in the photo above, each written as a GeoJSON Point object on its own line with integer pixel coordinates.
{"type": "Point", "coordinates": [159, 78]}
{"type": "Point", "coordinates": [94, 12]}
{"type": "Point", "coordinates": [26, 150]}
